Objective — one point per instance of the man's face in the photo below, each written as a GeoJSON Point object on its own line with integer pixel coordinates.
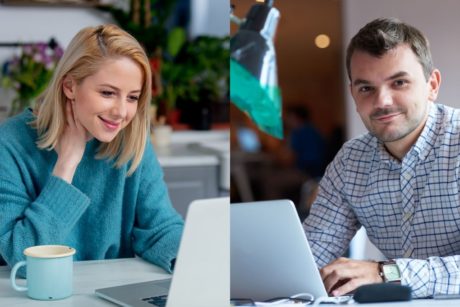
{"type": "Point", "coordinates": [391, 93]}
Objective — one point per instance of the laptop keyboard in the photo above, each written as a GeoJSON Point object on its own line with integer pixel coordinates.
{"type": "Point", "coordinates": [159, 301]}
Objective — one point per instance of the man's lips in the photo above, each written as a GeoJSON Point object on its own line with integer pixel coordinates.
{"type": "Point", "coordinates": [385, 117]}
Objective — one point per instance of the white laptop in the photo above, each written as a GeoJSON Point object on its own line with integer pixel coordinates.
{"type": "Point", "coordinates": [270, 255]}
{"type": "Point", "coordinates": [201, 276]}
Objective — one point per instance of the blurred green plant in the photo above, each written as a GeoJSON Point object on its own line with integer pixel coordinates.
{"type": "Point", "coordinates": [29, 73]}
{"type": "Point", "coordinates": [195, 70]}
{"type": "Point", "coordinates": [146, 21]}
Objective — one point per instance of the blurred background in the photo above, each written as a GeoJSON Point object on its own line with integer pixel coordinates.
{"type": "Point", "coordinates": [314, 112]}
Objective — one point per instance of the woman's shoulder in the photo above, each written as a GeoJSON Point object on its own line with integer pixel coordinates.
{"type": "Point", "coordinates": [17, 130]}
{"type": "Point", "coordinates": [148, 162]}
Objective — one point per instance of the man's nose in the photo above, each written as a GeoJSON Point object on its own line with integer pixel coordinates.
{"type": "Point", "coordinates": [384, 98]}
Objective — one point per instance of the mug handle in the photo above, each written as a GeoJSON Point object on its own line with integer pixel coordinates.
{"type": "Point", "coordinates": [13, 276]}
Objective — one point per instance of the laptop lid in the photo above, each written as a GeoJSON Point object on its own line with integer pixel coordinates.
{"type": "Point", "coordinates": [270, 255]}
{"type": "Point", "coordinates": [202, 272]}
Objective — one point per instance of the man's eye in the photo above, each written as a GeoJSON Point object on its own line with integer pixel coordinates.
{"type": "Point", "coordinates": [400, 83]}
{"type": "Point", "coordinates": [364, 89]}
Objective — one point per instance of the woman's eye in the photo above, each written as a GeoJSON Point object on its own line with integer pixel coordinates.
{"type": "Point", "coordinates": [133, 98]}
{"type": "Point", "coordinates": [107, 93]}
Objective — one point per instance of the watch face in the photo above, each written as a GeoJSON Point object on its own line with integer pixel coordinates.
{"type": "Point", "coordinates": [391, 272]}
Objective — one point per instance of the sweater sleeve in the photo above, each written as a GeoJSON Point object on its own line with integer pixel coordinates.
{"type": "Point", "coordinates": [158, 226]}
{"type": "Point", "coordinates": [30, 215]}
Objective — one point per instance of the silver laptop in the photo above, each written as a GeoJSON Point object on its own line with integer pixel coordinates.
{"type": "Point", "coordinates": [270, 255]}
{"type": "Point", "coordinates": [202, 274]}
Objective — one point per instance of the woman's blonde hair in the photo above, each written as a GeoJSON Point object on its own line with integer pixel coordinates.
{"type": "Point", "coordinates": [83, 57]}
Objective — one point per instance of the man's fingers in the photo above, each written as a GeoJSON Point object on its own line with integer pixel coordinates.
{"type": "Point", "coordinates": [345, 275]}
{"type": "Point", "coordinates": [337, 277]}
{"type": "Point", "coordinates": [349, 286]}
{"type": "Point", "coordinates": [330, 281]}
{"type": "Point", "coordinates": [335, 265]}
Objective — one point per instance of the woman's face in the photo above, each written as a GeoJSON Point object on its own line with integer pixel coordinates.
{"type": "Point", "coordinates": [106, 102]}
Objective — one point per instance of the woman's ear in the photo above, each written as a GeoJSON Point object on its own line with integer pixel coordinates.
{"type": "Point", "coordinates": [68, 86]}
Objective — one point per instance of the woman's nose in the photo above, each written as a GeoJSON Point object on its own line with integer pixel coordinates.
{"type": "Point", "coordinates": [119, 108]}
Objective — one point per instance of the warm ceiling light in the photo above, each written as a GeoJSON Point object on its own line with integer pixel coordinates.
{"type": "Point", "coordinates": [322, 41]}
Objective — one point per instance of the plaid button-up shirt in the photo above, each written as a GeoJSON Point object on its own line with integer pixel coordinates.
{"type": "Point", "coordinates": [410, 208]}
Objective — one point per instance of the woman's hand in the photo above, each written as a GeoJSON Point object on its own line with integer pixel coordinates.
{"type": "Point", "coordinates": [71, 146]}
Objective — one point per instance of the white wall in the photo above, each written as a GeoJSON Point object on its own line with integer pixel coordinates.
{"type": "Point", "coordinates": [21, 23]}
{"type": "Point", "coordinates": [440, 22]}
{"type": "Point", "coordinates": [210, 17]}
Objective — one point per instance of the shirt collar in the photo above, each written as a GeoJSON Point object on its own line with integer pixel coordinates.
{"type": "Point", "coordinates": [427, 138]}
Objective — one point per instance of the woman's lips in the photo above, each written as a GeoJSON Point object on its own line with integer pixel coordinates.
{"type": "Point", "coordinates": [111, 125]}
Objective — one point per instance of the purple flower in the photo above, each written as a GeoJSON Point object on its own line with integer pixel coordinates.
{"type": "Point", "coordinates": [38, 58]}
{"type": "Point", "coordinates": [29, 72]}
{"type": "Point", "coordinates": [41, 47]}
{"type": "Point", "coordinates": [58, 52]}
{"type": "Point", "coordinates": [27, 49]}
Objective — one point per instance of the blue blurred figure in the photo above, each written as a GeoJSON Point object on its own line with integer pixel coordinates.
{"type": "Point", "coordinates": [307, 144]}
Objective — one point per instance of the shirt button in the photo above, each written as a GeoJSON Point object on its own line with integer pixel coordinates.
{"type": "Point", "coordinates": [408, 252]}
{"type": "Point", "coordinates": [407, 176]}
{"type": "Point", "coordinates": [407, 216]}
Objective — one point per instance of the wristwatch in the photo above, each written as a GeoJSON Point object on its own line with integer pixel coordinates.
{"type": "Point", "coordinates": [389, 271]}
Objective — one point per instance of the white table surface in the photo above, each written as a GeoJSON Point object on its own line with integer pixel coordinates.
{"type": "Point", "coordinates": [88, 276]}
{"type": "Point", "coordinates": [91, 275]}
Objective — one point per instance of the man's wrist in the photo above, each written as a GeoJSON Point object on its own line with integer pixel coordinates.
{"type": "Point", "coordinates": [379, 270]}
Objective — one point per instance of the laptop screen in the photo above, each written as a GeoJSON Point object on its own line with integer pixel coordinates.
{"type": "Point", "coordinates": [270, 256]}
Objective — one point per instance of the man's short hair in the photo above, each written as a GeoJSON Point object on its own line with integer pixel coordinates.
{"type": "Point", "coordinates": [384, 34]}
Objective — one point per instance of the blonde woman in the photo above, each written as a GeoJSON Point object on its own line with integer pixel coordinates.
{"type": "Point", "coordinates": [79, 170]}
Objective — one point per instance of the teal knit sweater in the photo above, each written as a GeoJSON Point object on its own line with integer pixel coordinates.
{"type": "Point", "coordinates": [103, 214]}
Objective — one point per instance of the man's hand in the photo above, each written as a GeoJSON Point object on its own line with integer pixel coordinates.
{"type": "Point", "coordinates": [345, 275]}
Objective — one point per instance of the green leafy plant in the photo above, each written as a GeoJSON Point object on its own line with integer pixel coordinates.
{"type": "Point", "coordinates": [30, 72]}
{"type": "Point", "coordinates": [146, 21]}
{"type": "Point", "coordinates": [198, 71]}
